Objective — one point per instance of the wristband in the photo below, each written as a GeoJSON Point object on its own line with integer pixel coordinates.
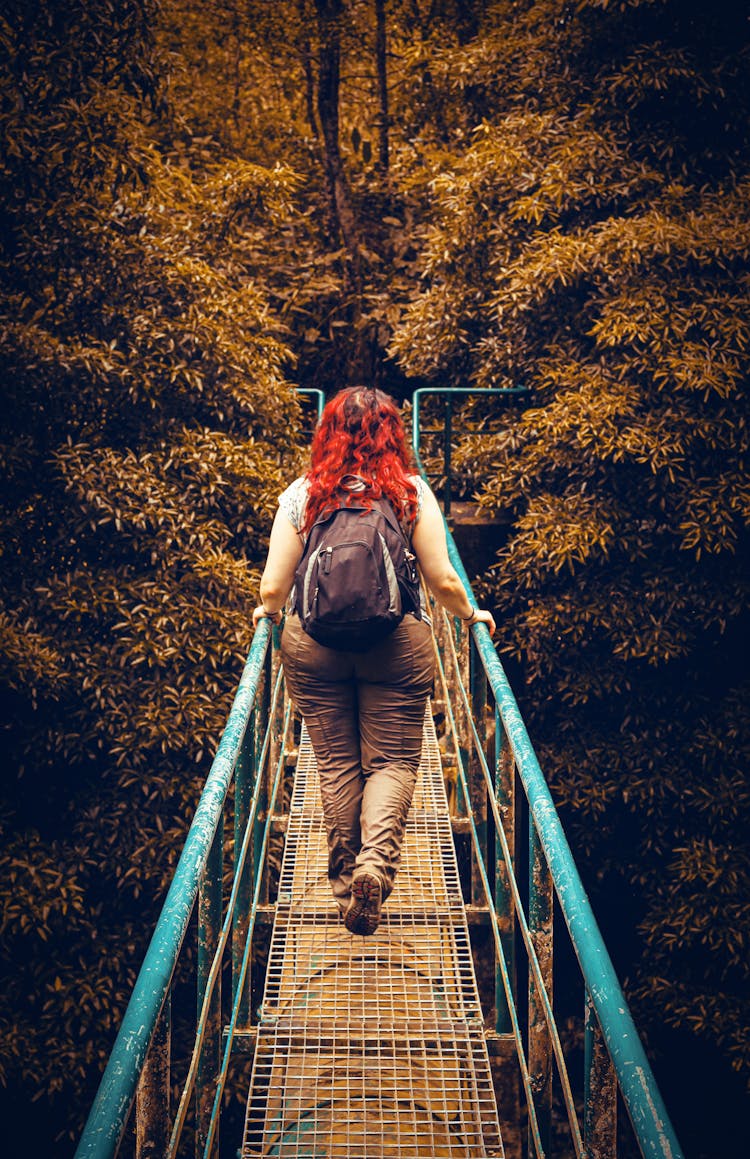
{"type": "Point", "coordinates": [468, 619]}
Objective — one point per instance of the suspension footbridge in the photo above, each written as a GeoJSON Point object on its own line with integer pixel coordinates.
{"type": "Point", "coordinates": [438, 1035]}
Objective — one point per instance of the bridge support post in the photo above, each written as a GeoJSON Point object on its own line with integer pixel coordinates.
{"type": "Point", "coordinates": [505, 1078]}
{"type": "Point", "coordinates": [600, 1091]}
{"type": "Point", "coordinates": [277, 724]}
{"type": "Point", "coordinates": [477, 787]}
{"type": "Point", "coordinates": [540, 928]}
{"type": "Point", "coordinates": [152, 1121]}
{"type": "Point", "coordinates": [260, 712]}
{"type": "Point", "coordinates": [441, 625]}
{"type": "Point", "coordinates": [447, 451]}
{"type": "Point", "coordinates": [244, 775]}
{"type": "Point", "coordinates": [209, 929]}
{"type": "Point", "coordinates": [461, 638]}
{"type": "Point", "coordinates": [505, 793]}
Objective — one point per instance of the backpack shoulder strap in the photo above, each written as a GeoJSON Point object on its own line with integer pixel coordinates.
{"type": "Point", "coordinates": [386, 508]}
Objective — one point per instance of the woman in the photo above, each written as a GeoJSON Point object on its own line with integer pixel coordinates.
{"type": "Point", "coordinates": [364, 711]}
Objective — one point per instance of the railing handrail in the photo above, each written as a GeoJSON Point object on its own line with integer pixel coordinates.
{"type": "Point", "coordinates": [109, 1113]}
{"type": "Point", "coordinates": [648, 1114]}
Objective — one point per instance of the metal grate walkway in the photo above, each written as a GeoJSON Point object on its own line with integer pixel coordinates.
{"type": "Point", "coordinates": [371, 1047]}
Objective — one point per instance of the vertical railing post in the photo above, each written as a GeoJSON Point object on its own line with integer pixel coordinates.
{"type": "Point", "coordinates": [462, 641]}
{"type": "Point", "coordinates": [244, 777]}
{"type": "Point", "coordinates": [277, 724]}
{"type": "Point", "coordinates": [540, 927]}
{"type": "Point", "coordinates": [477, 787]}
{"type": "Point", "coordinates": [152, 1120]}
{"type": "Point", "coordinates": [447, 454]}
{"type": "Point", "coordinates": [415, 423]}
{"type": "Point", "coordinates": [441, 625]}
{"type": "Point", "coordinates": [438, 629]}
{"type": "Point", "coordinates": [505, 781]}
{"type": "Point", "coordinates": [262, 703]}
{"type": "Point", "coordinates": [260, 718]}
{"type": "Point", "coordinates": [209, 930]}
{"type": "Point", "coordinates": [600, 1091]}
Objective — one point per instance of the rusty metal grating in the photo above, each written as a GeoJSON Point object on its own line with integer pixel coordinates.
{"type": "Point", "coordinates": [371, 1047]}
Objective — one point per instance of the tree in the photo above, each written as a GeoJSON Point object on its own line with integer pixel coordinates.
{"type": "Point", "coordinates": [330, 14]}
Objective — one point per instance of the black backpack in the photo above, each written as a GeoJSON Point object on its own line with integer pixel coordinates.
{"type": "Point", "coordinates": [357, 578]}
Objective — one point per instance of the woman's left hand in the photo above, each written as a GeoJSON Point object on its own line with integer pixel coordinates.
{"type": "Point", "coordinates": [260, 613]}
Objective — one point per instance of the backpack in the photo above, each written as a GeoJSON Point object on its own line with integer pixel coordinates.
{"type": "Point", "coordinates": [357, 577]}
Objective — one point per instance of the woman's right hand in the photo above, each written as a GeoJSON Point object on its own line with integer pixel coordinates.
{"type": "Point", "coordinates": [260, 613]}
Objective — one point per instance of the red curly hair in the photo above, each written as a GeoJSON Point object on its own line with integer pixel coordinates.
{"type": "Point", "coordinates": [360, 433]}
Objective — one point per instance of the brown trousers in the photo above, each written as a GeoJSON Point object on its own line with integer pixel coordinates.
{"type": "Point", "coordinates": [364, 713]}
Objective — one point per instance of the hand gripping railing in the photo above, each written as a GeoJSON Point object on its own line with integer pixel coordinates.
{"type": "Point", "coordinates": [613, 1054]}
{"type": "Point", "coordinates": [139, 1063]}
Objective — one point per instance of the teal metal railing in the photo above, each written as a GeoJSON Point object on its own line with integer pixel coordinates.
{"type": "Point", "coordinates": [250, 754]}
{"type": "Point", "coordinates": [316, 395]}
{"type": "Point", "coordinates": [495, 761]}
{"type": "Point", "coordinates": [138, 1068]}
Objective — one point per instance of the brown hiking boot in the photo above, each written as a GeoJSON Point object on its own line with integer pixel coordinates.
{"type": "Point", "coordinates": [363, 914]}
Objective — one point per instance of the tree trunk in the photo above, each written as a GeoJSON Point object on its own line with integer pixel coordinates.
{"type": "Point", "coordinates": [308, 68]}
{"type": "Point", "coordinates": [341, 212]}
{"type": "Point", "coordinates": [380, 55]}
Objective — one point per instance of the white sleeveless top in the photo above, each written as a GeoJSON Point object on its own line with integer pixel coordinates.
{"type": "Point", "coordinates": [294, 500]}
